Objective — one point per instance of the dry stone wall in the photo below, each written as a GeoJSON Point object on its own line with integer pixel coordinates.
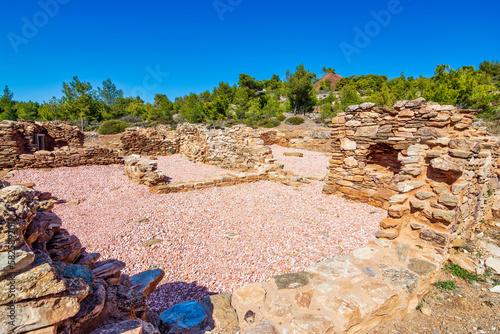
{"type": "Point", "coordinates": [320, 140]}
{"type": "Point", "coordinates": [50, 284]}
{"type": "Point", "coordinates": [63, 146]}
{"type": "Point", "coordinates": [237, 148]}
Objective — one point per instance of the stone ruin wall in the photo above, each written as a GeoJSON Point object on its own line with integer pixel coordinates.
{"type": "Point", "coordinates": [50, 284]}
{"type": "Point", "coordinates": [320, 140]}
{"type": "Point", "coordinates": [426, 164]}
{"type": "Point", "coordinates": [63, 146]}
{"type": "Point", "coordinates": [237, 148]}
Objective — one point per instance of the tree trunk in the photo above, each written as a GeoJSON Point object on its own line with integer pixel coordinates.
{"type": "Point", "coordinates": [81, 118]}
{"type": "Point", "coordinates": [295, 108]}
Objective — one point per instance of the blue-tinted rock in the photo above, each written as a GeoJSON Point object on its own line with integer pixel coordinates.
{"type": "Point", "coordinates": [183, 318]}
{"type": "Point", "coordinates": [147, 281]}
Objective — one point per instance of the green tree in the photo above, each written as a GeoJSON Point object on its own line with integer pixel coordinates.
{"type": "Point", "coordinates": [192, 110]}
{"type": "Point", "coordinates": [164, 108]}
{"type": "Point", "coordinates": [27, 110]}
{"type": "Point", "coordinates": [80, 100]}
{"type": "Point", "coordinates": [52, 110]}
{"type": "Point", "coordinates": [327, 70]}
{"type": "Point", "coordinates": [7, 105]}
{"type": "Point", "coordinates": [110, 97]}
{"type": "Point", "coordinates": [301, 90]}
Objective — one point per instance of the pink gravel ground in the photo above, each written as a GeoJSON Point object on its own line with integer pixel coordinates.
{"type": "Point", "coordinates": [278, 228]}
{"type": "Point", "coordinates": [311, 164]}
{"type": "Point", "coordinates": [190, 171]}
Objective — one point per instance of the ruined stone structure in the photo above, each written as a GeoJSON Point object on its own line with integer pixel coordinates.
{"type": "Point", "coordinates": [143, 171]}
{"type": "Point", "coordinates": [50, 284]}
{"type": "Point", "coordinates": [29, 144]}
{"type": "Point", "coordinates": [425, 163]}
{"type": "Point", "coordinates": [435, 173]}
{"type": "Point", "coordinates": [320, 141]}
{"type": "Point", "coordinates": [237, 148]}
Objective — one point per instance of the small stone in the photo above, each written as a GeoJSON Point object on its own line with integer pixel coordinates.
{"type": "Point", "coordinates": [293, 154]}
{"type": "Point", "coordinates": [402, 251]}
{"type": "Point", "coordinates": [369, 271]}
{"type": "Point", "coordinates": [223, 314]}
{"type": "Point", "coordinates": [249, 294]}
{"type": "Point", "coordinates": [398, 199]}
{"type": "Point", "coordinates": [493, 263]}
{"type": "Point", "coordinates": [183, 317]}
{"type": "Point", "coordinates": [417, 205]}
{"type": "Point", "coordinates": [421, 267]}
{"type": "Point", "coordinates": [434, 237]}
{"type": "Point", "coordinates": [390, 234]}
{"type": "Point", "coordinates": [448, 164]}
{"type": "Point", "coordinates": [401, 277]}
{"type": "Point", "coordinates": [407, 186]}
{"type": "Point", "coordinates": [446, 217]}
{"type": "Point", "coordinates": [347, 144]}
{"type": "Point", "coordinates": [151, 242]}
{"type": "Point", "coordinates": [426, 310]}
{"type": "Point", "coordinates": [351, 162]}
{"type": "Point", "coordinates": [123, 327]}
{"type": "Point", "coordinates": [495, 289]}
{"type": "Point", "coordinates": [424, 195]}
{"type": "Point", "coordinates": [147, 281]}
{"type": "Point", "coordinates": [398, 211]}
{"type": "Point", "coordinates": [231, 235]}
{"type": "Point", "coordinates": [449, 200]}
{"type": "Point", "coordinates": [292, 281]}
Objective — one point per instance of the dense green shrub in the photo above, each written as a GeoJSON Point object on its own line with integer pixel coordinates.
{"type": "Point", "coordinates": [112, 127]}
{"type": "Point", "coordinates": [272, 123]}
{"type": "Point", "coordinates": [294, 121]}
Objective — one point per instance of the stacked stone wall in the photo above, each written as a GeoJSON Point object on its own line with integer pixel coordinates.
{"type": "Point", "coordinates": [50, 284]}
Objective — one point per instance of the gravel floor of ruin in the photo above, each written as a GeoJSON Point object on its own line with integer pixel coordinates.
{"type": "Point", "coordinates": [211, 240]}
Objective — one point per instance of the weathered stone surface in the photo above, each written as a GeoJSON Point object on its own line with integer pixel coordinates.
{"type": "Point", "coordinates": [221, 311]}
{"type": "Point", "coordinates": [402, 251]}
{"type": "Point", "coordinates": [147, 281]}
{"type": "Point", "coordinates": [22, 259]}
{"type": "Point", "coordinates": [40, 313]}
{"type": "Point", "coordinates": [367, 131]}
{"type": "Point", "coordinates": [417, 205]}
{"type": "Point", "coordinates": [73, 270]}
{"type": "Point", "coordinates": [123, 327]}
{"type": "Point", "coordinates": [46, 330]}
{"type": "Point", "coordinates": [293, 154]}
{"type": "Point", "coordinates": [370, 271]}
{"type": "Point", "coordinates": [398, 211]}
{"type": "Point", "coordinates": [265, 327]}
{"type": "Point", "coordinates": [390, 234]}
{"type": "Point", "coordinates": [107, 268]}
{"type": "Point", "coordinates": [434, 237]}
{"type": "Point", "coordinates": [407, 186]}
{"type": "Point", "coordinates": [446, 217]}
{"type": "Point", "coordinates": [348, 309]}
{"type": "Point", "coordinates": [303, 299]}
{"type": "Point", "coordinates": [493, 263]}
{"type": "Point", "coordinates": [448, 200]}
{"type": "Point", "coordinates": [64, 247]}
{"type": "Point", "coordinates": [292, 281]}
{"type": "Point", "coordinates": [351, 162]}
{"type": "Point", "coordinates": [280, 307]}
{"type": "Point", "coordinates": [448, 164]}
{"type": "Point", "coordinates": [335, 268]}
{"type": "Point", "coordinates": [183, 317]}
{"type": "Point", "coordinates": [398, 199]}
{"type": "Point", "coordinates": [384, 294]}
{"type": "Point", "coordinates": [90, 307]}
{"type": "Point", "coordinates": [310, 324]}
{"type": "Point", "coordinates": [249, 294]}
{"type": "Point", "coordinates": [347, 144]}
{"type": "Point", "coordinates": [421, 267]}
{"type": "Point", "coordinates": [39, 280]}
{"type": "Point", "coordinates": [424, 195]}
{"type": "Point", "coordinates": [401, 277]}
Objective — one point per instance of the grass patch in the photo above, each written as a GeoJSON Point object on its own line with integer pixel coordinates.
{"type": "Point", "coordinates": [446, 285]}
{"type": "Point", "coordinates": [419, 246]}
{"type": "Point", "coordinates": [458, 271]}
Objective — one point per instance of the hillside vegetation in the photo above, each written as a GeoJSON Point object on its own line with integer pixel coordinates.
{"type": "Point", "coordinates": [264, 102]}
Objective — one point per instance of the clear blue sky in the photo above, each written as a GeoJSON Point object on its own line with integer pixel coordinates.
{"type": "Point", "coordinates": [199, 45]}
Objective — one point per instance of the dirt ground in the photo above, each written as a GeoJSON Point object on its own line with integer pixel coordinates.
{"type": "Point", "coordinates": [469, 308]}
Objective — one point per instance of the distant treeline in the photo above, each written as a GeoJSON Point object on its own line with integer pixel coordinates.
{"type": "Point", "coordinates": [263, 102]}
